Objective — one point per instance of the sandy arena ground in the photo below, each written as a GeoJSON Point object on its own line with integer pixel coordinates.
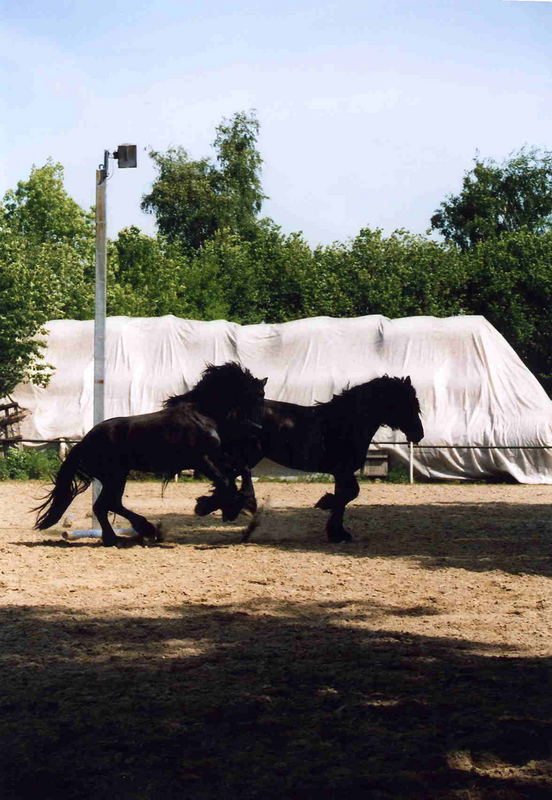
{"type": "Point", "coordinates": [414, 662]}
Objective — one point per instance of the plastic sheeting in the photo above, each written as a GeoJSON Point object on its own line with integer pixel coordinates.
{"type": "Point", "coordinates": [475, 392]}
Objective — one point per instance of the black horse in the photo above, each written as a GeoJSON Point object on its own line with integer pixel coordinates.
{"type": "Point", "coordinates": [191, 432]}
{"type": "Point", "coordinates": [333, 438]}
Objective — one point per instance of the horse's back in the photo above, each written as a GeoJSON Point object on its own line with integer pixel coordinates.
{"type": "Point", "coordinates": [160, 441]}
{"type": "Point", "coordinates": [292, 435]}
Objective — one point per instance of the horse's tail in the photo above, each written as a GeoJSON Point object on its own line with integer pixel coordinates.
{"type": "Point", "coordinates": [70, 481]}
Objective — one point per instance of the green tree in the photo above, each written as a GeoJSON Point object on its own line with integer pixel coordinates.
{"type": "Point", "coordinates": [267, 279]}
{"type": "Point", "coordinates": [52, 232]}
{"type": "Point", "coordinates": [285, 272]}
{"type": "Point", "coordinates": [26, 288]}
{"type": "Point", "coordinates": [237, 179]}
{"type": "Point", "coordinates": [146, 276]}
{"type": "Point", "coordinates": [499, 198]}
{"type": "Point", "coordinates": [40, 210]}
{"type": "Point", "coordinates": [46, 264]}
{"type": "Point", "coordinates": [193, 199]}
{"type": "Point", "coordinates": [397, 275]}
{"type": "Point", "coordinates": [510, 283]}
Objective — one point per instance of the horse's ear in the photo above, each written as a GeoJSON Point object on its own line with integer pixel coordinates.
{"type": "Point", "coordinates": [263, 381]}
{"type": "Point", "coordinates": [408, 381]}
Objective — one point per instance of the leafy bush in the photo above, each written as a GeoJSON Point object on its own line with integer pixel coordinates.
{"type": "Point", "coordinates": [19, 464]}
{"type": "Point", "coordinates": [398, 473]}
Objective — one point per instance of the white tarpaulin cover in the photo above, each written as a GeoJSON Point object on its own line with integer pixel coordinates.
{"type": "Point", "coordinates": [473, 389]}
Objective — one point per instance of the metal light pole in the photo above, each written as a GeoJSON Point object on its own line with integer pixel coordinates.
{"type": "Point", "coordinates": [126, 157]}
{"type": "Point", "coordinates": [100, 294]}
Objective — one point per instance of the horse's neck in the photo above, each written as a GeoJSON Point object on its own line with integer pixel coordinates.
{"type": "Point", "coordinates": [206, 405]}
{"type": "Point", "coordinates": [362, 413]}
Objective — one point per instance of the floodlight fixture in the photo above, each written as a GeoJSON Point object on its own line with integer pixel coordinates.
{"type": "Point", "coordinates": [126, 156]}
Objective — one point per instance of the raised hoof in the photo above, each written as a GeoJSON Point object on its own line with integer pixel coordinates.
{"type": "Point", "coordinates": [230, 514]}
{"type": "Point", "coordinates": [326, 502]}
{"type": "Point", "coordinates": [231, 511]}
{"type": "Point", "coordinates": [115, 542]}
{"type": "Point", "coordinates": [340, 536]}
{"type": "Point", "coordinates": [205, 505]}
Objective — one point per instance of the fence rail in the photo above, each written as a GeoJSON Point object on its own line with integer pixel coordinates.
{"type": "Point", "coordinates": [63, 443]}
{"type": "Point", "coordinates": [63, 440]}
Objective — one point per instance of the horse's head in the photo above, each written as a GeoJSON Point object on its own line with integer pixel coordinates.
{"type": "Point", "coordinates": [399, 407]}
{"type": "Point", "coordinates": [232, 392]}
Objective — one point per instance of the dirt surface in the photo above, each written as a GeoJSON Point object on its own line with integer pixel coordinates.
{"type": "Point", "coordinates": [414, 662]}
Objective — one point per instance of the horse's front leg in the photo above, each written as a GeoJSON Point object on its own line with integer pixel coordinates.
{"type": "Point", "coordinates": [100, 508]}
{"type": "Point", "coordinates": [346, 489]}
{"type": "Point", "coordinates": [247, 490]}
{"type": "Point", "coordinates": [225, 496]}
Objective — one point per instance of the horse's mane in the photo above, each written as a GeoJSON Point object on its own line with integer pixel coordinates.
{"type": "Point", "coordinates": [216, 382]}
{"type": "Point", "coordinates": [351, 395]}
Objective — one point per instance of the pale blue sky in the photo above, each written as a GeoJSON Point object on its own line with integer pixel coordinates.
{"type": "Point", "coordinates": [370, 110]}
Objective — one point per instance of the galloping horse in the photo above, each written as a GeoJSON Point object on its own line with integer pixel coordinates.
{"type": "Point", "coordinates": [331, 437]}
{"type": "Point", "coordinates": [191, 432]}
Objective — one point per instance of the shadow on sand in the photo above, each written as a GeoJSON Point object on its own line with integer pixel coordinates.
{"type": "Point", "coordinates": [250, 703]}
{"type": "Point", "coordinates": [515, 538]}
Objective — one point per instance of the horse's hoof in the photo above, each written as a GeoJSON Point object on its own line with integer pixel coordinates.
{"type": "Point", "coordinates": [340, 536]}
{"type": "Point", "coordinates": [232, 511]}
{"type": "Point", "coordinates": [326, 502]}
{"type": "Point", "coordinates": [205, 505]}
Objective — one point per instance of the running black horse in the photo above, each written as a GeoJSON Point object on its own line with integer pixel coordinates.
{"type": "Point", "coordinates": [333, 438]}
{"type": "Point", "coordinates": [191, 432]}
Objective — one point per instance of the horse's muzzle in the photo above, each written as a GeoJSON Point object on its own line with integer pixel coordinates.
{"type": "Point", "coordinates": [416, 434]}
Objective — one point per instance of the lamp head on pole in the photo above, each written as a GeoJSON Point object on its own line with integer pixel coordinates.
{"type": "Point", "coordinates": [126, 156]}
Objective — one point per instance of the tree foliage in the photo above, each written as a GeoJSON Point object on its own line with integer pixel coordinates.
{"type": "Point", "coordinates": [46, 262]}
{"type": "Point", "coordinates": [24, 308]}
{"type": "Point", "coordinates": [397, 275]}
{"type": "Point", "coordinates": [214, 258]}
{"type": "Point", "coordinates": [499, 198]}
{"type": "Point", "coordinates": [193, 199]}
{"type": "Point", "coordinates": [40, 210]}
{"type": "Point", "coordinates": [510, 283]}
{"type": "Point", "coordinates": [146, 276]}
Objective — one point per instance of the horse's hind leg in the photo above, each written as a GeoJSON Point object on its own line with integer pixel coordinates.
{"type": "Point", "coordinates": [101, 508]}
{"type": "Point", "coordinates": [208, 503]}
{"type": "Point", "coordinates": [346, 489]}
{"type": "Point", "coordinates": [110, 499]}
{"type": "Point", "coordinates": [140, 524]}
{"type": "Point", "coordinates": [226, 494]}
